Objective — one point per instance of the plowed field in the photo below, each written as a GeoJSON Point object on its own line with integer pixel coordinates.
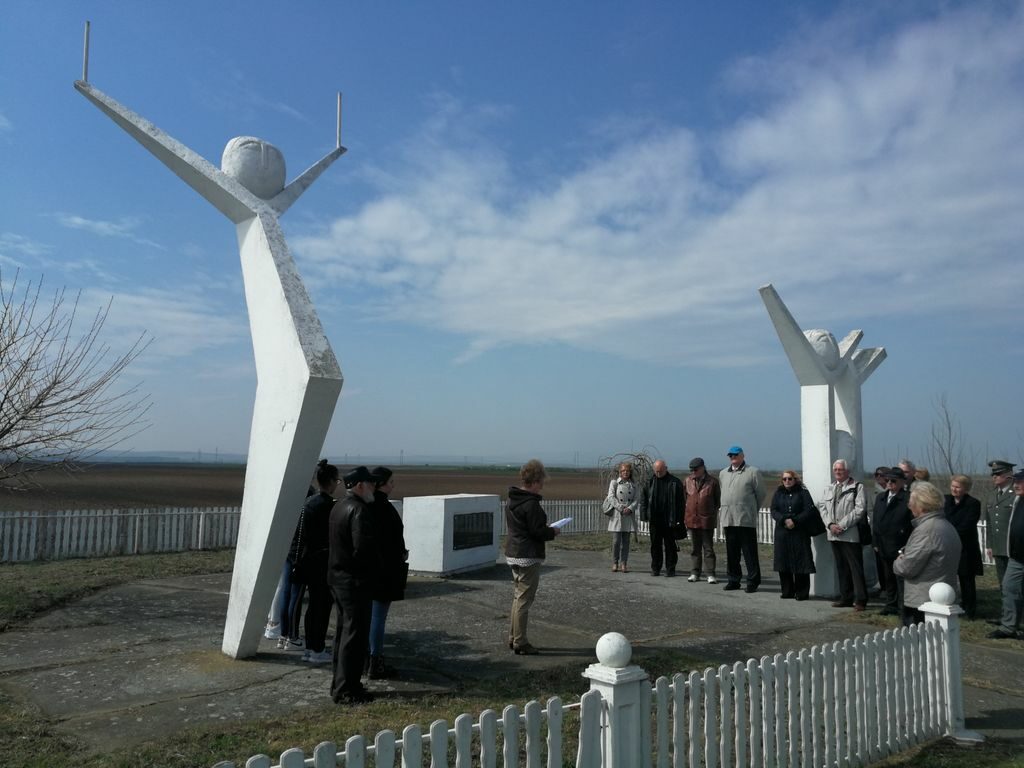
{"type": "Point", "coordinates": [110, 486]}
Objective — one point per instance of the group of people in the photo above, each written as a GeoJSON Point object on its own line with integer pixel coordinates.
{"type": "Point", "coordinates": [350, 555]}
{"type": "Point", "coordinates": [904, 532]}
{"type": "Point", "coordinates": [675, 509]}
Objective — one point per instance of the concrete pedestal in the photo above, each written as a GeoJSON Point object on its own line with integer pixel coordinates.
{"type": "Point", "coordinates": [451, 534]}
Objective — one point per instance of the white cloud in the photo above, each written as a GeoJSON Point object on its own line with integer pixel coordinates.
{"type": "Point", "coordinates": [182, 322]}
{"type": "Point", "coordinates": [125, 228]}
{"type": "Point", "coordinates": [901, 162]}
{"type": "Point", "coordinates": [13, 245]}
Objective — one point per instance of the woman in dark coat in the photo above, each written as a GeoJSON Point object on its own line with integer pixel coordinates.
{"type": "Point", "coordinates": [964, 511]}
{"type": "Point", "coordinates": [394, 570]}
{"type": "Point", "coordinates": [795, 518]}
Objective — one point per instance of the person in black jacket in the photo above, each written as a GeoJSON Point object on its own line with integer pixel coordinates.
{"type": "Point", "coordinates": [890, 529]}
{"type": "Point", "coordinates": [528, 529]}
{"type": "Point", "coordinates": [664, 507]}
{"type": "Point", "coordinates": [394, 571]}
{"type": "Point", "coordinates": [964, 511]}
{"type": "Point", "coordinates": [312, 549]}
{"type": "Point", "coordinates": [795, 516]}
{"type": "Point", "coordinates": [353, 572]}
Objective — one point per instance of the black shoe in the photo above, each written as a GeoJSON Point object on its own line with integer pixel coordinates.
{"type": "Point", "coordinates": [787, 597]}
{"type": "Point", "coordinates": [669, 574]}
{"type": "Point", "coordinates": [751, 588]}
{"type": "Point", "coordinates": [801, 597]}
{"type": "Point", "coordinates": [356, 697]}
{"type": "Point", "coordinates": [1002, 634]}
{"type": "Point", "coordinates": [526, 650]}
{"type": "Point", "coordinates": [730, 587]}
{"type": "Point", "coordinates": [842, 604]}
{"type": "Point", "coordinates": [888, 612]}
{"type": "Point", "coordinates": [379, 670]}
{"type": "Point", "coordinates": [655, 573]}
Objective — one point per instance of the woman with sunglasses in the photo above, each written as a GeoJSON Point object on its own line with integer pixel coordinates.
{"type": "Point", "coordinates": [796, 517]}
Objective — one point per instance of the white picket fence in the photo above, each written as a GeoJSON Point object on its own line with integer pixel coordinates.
{"type": "Point", "coordinates": [846, 703]}
{"type": "Point", "coordinates": [27, 536]}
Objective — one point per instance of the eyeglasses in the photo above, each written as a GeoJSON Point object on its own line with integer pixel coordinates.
{"type": "Point", "coordinates": [788, 479]}
{"type": "Point", "coordinates": [879, 474]}
{"type": "Point", "coordinates": [732, 455]}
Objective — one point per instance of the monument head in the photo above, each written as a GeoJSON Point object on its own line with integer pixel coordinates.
{"type": "Point", "coordinates": [255, 164]}
{"type": "Point", "coordinates": [826, 347]}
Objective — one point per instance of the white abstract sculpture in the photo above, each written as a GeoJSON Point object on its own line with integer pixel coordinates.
{"type": "Point", "coordinates": [298, 377]}
{"type": "Point", "coordinates": [830, 376]}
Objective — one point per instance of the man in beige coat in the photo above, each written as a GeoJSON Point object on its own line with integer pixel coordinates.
{"type": "Point", "coordinates": [741, 494]}
{"type": "Point", "coordinates": [843, 506]}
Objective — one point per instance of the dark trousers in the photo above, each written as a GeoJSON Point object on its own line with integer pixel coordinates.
{"type": "Point", "coordinates": [318, 615]}
{"type": "Point", "coordinates": [850, 564]}
{"type": "Point", "coordinates": [351, 640]}
{"type": "Point", "coordinates": [663, 549]}
{"type": "Point", "coordinates": [912, 616]}
{"type": "Point", "coordinates": [795, 584]}
{"type": "Point", "coordinates": [892, 585]}
{"type": "Point", "coordinates": [969, 595]}
{"type": "Point", "coordinates": [742, 540]}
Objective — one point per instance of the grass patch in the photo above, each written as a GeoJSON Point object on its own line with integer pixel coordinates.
{"type": "Point", "coordinates": [28, 589]}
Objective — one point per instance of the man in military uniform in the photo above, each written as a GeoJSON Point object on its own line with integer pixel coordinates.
{"type": "Point", "coordinates": [996, 515]}
{"type": "Point", "coordinates": [1013, 577]}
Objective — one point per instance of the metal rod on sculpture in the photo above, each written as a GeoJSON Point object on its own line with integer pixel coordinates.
{"type": "Point", "coordinates": [339, 119]}
{"type": "Point", "coordinates": [85, 55]}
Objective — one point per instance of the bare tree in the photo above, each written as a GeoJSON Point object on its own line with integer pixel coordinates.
{"type": "Point", "coordinates": [948, 452]}
{"type": "Point", "coordinates": [59, 404]}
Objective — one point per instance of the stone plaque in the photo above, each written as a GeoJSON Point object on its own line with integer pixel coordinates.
{"type": "Point", "coordinates": [475, 529]}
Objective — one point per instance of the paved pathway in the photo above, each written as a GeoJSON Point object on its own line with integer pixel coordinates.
{"type": "Point", "coordinates": [128, 662]}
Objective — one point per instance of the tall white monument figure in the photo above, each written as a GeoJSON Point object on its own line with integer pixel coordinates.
{"type": "Point", "coordinates": [298, 377]}
{"type": "Point", "coordinates": [831, 427]}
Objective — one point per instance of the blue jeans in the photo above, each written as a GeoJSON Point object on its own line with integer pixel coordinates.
{"type": "Point", "coordinates": [289, 599]}
{"type": "Point", "coordinates": [378, 618]}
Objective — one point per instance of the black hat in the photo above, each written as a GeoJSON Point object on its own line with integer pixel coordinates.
{"type": "Point", "coordinates": [381, 475]}
{"type": "Point", "coordinates": [1019, 477]}
{"type": "Point", "coordinates": [895, 473]}
{"type": "Point", "coordinates": [1000, 467]}
{"type": "Point", "coordinates": [358, 475]}
{"type": "Point", "coordinates": [696, 463]}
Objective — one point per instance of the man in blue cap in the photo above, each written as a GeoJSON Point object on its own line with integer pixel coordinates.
{"type": "Point", "coordinates": [741, 495]}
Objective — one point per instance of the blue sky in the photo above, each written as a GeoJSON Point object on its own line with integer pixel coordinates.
{"type": "Point", "coordinates": [549, 230]}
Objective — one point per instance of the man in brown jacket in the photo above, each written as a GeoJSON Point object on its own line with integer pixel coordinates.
{"type": "Point", "coordinates": [703, 497]}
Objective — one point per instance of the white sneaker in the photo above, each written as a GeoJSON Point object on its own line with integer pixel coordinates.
{"type": "Point", "coordinates": [282, 643]}
{"type": "Point", "coordinates": [712, 580]}
{"type": "Point", "coordinates": [272, 632]}
{"type": "Point", "coordinates": [318, 657]}
{"type": "Point", "coordinates": [691, 578]}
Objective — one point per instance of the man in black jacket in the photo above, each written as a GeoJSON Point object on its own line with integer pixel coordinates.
{"type": "Point", "coordinates": [663, 507]}
{"type": "Point", "coordinates": [890, 529]}
{"type": "Point", "coordinates": [353, 569]}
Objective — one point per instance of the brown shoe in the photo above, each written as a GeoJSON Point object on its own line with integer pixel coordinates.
{"type": "Point", "coordinates": [858, 607]}
{"type": "Point", "coordinates": [841, 604]}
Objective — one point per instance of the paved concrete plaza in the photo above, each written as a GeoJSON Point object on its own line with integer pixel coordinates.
{"type": "Point", "coordinates": [142, 659]}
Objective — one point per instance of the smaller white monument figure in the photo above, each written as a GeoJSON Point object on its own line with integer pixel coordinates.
{"type": "Point", "coordinates": [298, 377]}
{"type": "Point", "coordinates": [830, 376]}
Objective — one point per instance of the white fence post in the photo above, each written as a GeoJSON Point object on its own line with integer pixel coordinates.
{"type": "Point", "coordinates": [626, 691]}
{"type": "Point", "coordinates": [943, 611]}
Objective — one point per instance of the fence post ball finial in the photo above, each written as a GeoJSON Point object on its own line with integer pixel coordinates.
{"type": "Point", "coordinates": [614, 650]}
{"type": "Point", "coordinates": [942, 593]}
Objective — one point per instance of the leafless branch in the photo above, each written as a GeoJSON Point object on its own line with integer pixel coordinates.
{"type": "Point", "coordinates": [59, 403]}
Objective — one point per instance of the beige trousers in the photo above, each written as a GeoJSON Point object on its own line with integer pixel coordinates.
{"type": "Point", "coordinates": [524, 589]}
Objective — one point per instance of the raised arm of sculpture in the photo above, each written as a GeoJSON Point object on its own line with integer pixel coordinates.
{"type": "Point", "coordinates": [808, 364]}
